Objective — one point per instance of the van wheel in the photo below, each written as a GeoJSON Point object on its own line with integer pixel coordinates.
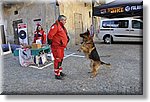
{"type": "Point", "coordinates": [108, 39]}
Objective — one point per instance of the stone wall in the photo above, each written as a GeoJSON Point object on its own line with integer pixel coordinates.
{"type": "Point", "coordinates": [28, 12]}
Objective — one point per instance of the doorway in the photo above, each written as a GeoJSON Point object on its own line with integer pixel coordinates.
{"type": "Point", "coordinates": [15, 29]}
{"type": "Point", "coordinates": [3, 38]}
{"type": "Point", "coordinates": [78, 27]}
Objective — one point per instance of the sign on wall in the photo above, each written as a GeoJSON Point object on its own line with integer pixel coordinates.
{"type": "Point", "coordinates": [121, 9]}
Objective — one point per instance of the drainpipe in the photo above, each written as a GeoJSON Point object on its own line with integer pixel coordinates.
{"type": "Point", "coordinates": [57, 11]}
{"type": "Point", "coordinates": [92, 26]}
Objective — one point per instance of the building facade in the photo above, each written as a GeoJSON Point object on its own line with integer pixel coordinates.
{"type": "Point", "coordinates": [29, 13]}
{"type": "Point", "coordinates": [78, 13]}
{"type": "Point", "coordinates": [79, 17]}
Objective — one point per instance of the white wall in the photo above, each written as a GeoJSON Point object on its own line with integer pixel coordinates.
{"type": "Point", "coordinates": [1, 14]}
{"type": "Point", "coordinates": [1, 20]}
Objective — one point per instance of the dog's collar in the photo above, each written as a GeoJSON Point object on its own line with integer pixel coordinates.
{"type": "Point", "coordinates": [88, 44]}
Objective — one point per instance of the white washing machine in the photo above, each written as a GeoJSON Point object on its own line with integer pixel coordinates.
{"type": "Point", "coordinates": [22, 33]}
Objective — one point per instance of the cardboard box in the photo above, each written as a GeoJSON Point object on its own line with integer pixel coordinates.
{"type": "Point", "coordinates": [36, 46]}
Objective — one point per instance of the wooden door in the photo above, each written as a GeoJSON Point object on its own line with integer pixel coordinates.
{"type": "Point", "coordinates": [78, 27]}
{"type": "Point", "coordinates": [3, 38]}
{"type": "Point", "coordinates": [15, 29]}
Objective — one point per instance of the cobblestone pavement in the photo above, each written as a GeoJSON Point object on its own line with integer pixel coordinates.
{"type": "Point", "coordinates": [124, 77]}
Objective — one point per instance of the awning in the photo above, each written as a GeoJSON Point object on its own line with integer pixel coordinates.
{"type": "Point", "coordinates": [120, 8]}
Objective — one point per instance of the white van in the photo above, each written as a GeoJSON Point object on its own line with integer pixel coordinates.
{"type": "Point", "coordinates": [121, 29]}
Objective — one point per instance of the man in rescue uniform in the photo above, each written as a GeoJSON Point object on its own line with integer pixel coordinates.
{"type": "Point", "coordinates": [58, 39]}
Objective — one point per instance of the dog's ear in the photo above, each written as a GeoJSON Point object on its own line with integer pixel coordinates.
{"type": "Point", "coordinates": [88, 30]}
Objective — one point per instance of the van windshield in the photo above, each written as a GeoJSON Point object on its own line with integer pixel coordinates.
{"type": "Point", "coordinates": [137, 24]}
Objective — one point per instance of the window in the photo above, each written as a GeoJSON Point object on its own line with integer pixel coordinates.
{"type": "Point", "coordinates": [89, 14]}
{"type": "Point", "coordinates": [122, 23]}
{"type": "Point", "coordinates": [85, 4]}
{"type": "Point", "coordinates": [137, 24]}
{"type": "Point", "coordinates": [115, 24]}
{"type": "Point", "coordinates": [57, 3]}
{"type": "Point", "coordinates": [38, 19]}
{"type": "Point", "coordinates": [15, 12]}
{"type": "Point", "coordinates": [108, 24]}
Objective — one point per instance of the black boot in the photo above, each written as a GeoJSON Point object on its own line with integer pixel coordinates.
{"type": "Point", "coordinates": [62, 74]}
{"type": "Point", "coordinates": [59, 77]}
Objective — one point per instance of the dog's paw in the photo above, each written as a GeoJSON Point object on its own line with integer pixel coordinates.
{"type": "Point", "coordinates": [92, 76]}
{"type": "Point", "coordinates": [108, 66]}
{"type": "Point", "coordinates": [79, 50]}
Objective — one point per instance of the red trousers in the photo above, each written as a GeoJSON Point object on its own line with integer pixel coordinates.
{"type": "Point", "coordinates": [58, 54]}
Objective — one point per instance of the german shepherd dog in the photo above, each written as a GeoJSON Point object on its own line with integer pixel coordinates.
{"type": "Point", "coordinates": [89, 49]}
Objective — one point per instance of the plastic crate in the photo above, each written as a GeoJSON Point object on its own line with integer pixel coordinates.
{"type": "Point", "coordinates": [16, 52]}
{"type": "Point", "coordinates": [34, 52]}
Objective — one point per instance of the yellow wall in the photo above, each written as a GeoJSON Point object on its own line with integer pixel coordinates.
{"type": "Point", "coordinates": [69, 8]}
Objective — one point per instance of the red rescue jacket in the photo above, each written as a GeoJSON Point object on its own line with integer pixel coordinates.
{"type": "Point", "coordinates": [40, 36]}
{"type": "Point", "coordinates": [58, 35]}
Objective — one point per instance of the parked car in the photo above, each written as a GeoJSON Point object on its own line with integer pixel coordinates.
{"type": "Point", "coordinates": [121, 29]}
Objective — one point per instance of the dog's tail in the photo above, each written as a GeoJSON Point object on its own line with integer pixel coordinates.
{"type": "Point", "coordinates": [107, 64]}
